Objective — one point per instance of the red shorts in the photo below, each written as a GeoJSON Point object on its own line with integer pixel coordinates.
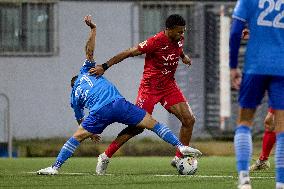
{"type": "Point", "coordinates": [147, 99]}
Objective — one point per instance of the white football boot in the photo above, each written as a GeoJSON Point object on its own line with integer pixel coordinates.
{"type": "Point", "coordinates": [189, 151]}
{"type": "Point", "coordinates": [244, 181]}
{"type": "Point", "coordinates": [102, 164]}
{"type": "Point", "coordinates": [47, 171]}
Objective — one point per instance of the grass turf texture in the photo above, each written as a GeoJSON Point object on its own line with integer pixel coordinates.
{"type": "Point", "coordinates": [127, 172]}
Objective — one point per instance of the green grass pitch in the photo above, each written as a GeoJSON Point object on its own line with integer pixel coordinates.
{"type": "Point", "coordinates": [128, 173]}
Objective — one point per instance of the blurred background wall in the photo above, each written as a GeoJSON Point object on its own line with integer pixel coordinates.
{"type": "Point", "coordinates": [42, 47]}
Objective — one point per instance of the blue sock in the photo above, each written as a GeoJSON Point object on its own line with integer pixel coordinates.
{"type": "Point", "coordinates": [166, 134]}
{"type": "Point", "coordinates": [66, 152]}
{"type": "Point", "coordinates": [279, 157]}
{"type": "Point", "coordinates": [243, 147]}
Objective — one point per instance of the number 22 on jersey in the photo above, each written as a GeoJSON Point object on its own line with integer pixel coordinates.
{"type": "Point", "coordinates": [272, 6]}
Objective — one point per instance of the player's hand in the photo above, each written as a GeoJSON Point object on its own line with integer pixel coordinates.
{"type": "Point", "coordinates": [98, 71]}
{"type": "Point", "coordinates": [88, 21]}
{"type": "Point", "coordinates": [269, 122]}
{"type": "Point", "coordinates": [236, 78]}
{"type": "Point", "coordinates": [186, 60]}
{"type": "Point", "coordinates": [245, 34]}
{"type": "Point", "coordinates": [95, 138]}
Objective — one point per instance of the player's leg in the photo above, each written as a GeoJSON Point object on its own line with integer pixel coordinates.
{"type": "Point", "coordinates": [251, 93]}
{"type": "Point", "coordinates": [243, 145]}
{"type": "Point", "coordinates": [167, 135]}
{"type": "Point", "coordinates": [184, 113]}
{"type": "Point", "coordinates": [66, 151]}
{"type": "Point", "coordinates": [176, 103]}
{"type": "Point", "coordinates": [268, 141]}
{"type": "Point", "coordinates": [276, 96]}
{"type": "Point", "coordinates": [144, 101]}
{"type": "Point", "coordinates": [125, 135]}
{"type": "Point", "coordinates": [133, 115]}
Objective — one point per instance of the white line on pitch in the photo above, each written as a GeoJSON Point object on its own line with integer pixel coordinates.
{"type": "Point", "coordinates": [210, 176]}
{"type": "Point", "coordinates": [196, 176]}
{"type": "Point", "coordinates": [199, 176]}
{"type": "Point", "coordinates": [70, 173]}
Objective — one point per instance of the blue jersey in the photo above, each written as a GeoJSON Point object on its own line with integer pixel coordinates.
{"type": "Point", "coordinates": [91, 92]}
{"type": "Point", "coordinates": [265, 49]}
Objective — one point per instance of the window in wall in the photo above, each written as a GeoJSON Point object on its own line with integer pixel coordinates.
{"type": "Point", "coordinates": [153, 17]}
{"type": "Point", "coordinates": [27, 29]}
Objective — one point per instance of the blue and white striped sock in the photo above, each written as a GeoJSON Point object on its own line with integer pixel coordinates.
{"type": "Point", "coordinates": [243, 147]}
{"type": "Point", "coordinates": [66, 152]}
{"type": "Point", "coordinates": [279, 158]}
{"type": "Point", "coordinates": [166, 134]}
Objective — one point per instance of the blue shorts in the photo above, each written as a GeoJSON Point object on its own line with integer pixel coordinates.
{"type": "Point", "coordinates": [253, 88]}
{"type": "Point", "coordinates": [119, 110]}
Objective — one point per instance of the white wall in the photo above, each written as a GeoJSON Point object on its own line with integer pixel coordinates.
{"type": "Point", "coordinates": [38, 87]}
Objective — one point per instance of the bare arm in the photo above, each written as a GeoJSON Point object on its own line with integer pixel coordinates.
{"type": "Point", "coordinates": [185, 58]}
{"type": "Point", "coordinates": [91, 42]}
{"type": "Point", "coordinates": [131, 52]}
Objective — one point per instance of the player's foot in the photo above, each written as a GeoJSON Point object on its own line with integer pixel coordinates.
{"type": "Point", "coordinates": [47, 171]}
{"type": "Point", "coordinates": [189, 151]}
{"type": "Point", "coordinates": [244, 181]}
{"type": "Point", "coordinates": [279, 185]}
{"type": "Point", "coordinates": [175, 161]}
{"type": "Point", "coordinates": [102, 164]}
{"type": "Point", "coordinates": [260, 165]}
{"type": "Point", "coordinates": [244, 186]}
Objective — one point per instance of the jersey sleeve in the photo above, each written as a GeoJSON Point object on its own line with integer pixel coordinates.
{"type": "Point", "coordinates": [241, 11]}
{"type": "Point", "coordinates": [147, 46]}
{"type": "Point", "coordinates": [78, 108]}
{"type": "Point", "coordinates": [87, 66]}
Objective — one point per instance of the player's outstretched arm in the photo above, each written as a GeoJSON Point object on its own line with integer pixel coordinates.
{"type": "Point", "coordinates": [91, 43]}
{"type": "Point", "coordinates": [100, 69]}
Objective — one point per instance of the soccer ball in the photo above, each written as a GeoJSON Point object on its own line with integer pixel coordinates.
{"type": "Point", "coordinates": [187, 166]}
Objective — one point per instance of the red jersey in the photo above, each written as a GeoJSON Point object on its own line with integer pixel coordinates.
{"type": "Point", "coordinates": [161, 61]}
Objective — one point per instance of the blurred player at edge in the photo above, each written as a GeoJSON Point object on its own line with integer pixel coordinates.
{"type": "Point", "coordinates": [268, 141]}
{"type": "Point", "coordinates": [106, 106]}
{"type": "Point", "coordinates": [263, 71]}
{"type": "Point", "coordinates": [158, 84]}
{"type": "Point", "coordinates": [269, 136]}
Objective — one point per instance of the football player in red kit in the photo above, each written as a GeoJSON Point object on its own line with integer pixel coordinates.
{"type": "Point", "coordinates": [158, 84]}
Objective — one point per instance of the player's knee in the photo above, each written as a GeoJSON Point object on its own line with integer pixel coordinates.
{"type": "Point", "coordinates": [81, 134]}
{"type": "Point", "coordinates": [188, 121]}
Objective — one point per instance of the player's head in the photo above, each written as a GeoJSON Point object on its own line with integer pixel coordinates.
{"type": "Point", "coordinates": [175, 25]}
{"type": "Point", "coordinates": [73, 80]}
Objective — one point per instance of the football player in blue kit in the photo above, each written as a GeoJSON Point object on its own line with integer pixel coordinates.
{"type": "Point", "coordinates": [263, 71]}
{"type": "Point", "coordinates": [106, 106]}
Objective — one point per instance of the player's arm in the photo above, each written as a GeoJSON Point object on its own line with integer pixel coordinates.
{"type": "Point", "coordinates": [185, 58]}
{"type": "Point", "coordinates": [78, 110]}
{"type": "Point", "coordinates": [91, 42]}
{"type": "Point", "coordinates": [235, 41]}
{"type": "Point", "coordinates": [100, 69]}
